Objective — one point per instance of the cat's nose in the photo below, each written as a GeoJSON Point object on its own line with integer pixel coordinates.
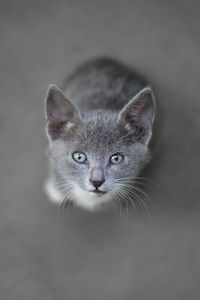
{"type": "Point", "coordinates": [97, 177]}
{"type": "Point", "coordinates": [97, 183]}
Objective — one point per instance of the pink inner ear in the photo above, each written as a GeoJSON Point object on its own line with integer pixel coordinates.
{"type": "Point", "coordinates": [58, 115]}
{"type": "Point", "coordinates": [137, 116]}
{"type": "Point", "coordinates": [56, 129]}
{"type": "Point", "coordinates": [62, 116]}
{"type": "Point", "coordinates": [61, 111]}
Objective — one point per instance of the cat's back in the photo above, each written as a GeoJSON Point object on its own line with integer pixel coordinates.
{"type": "Point", "coordinates": [102, 83]}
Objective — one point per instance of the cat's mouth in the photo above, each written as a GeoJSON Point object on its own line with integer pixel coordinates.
{"type": "Point", "coordinates": [97, 192]}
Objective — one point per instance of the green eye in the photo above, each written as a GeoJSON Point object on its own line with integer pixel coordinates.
{"type": "Point", "coordinates": [116, 159]}
{"type": "Point", "coordinates": [79, 157]}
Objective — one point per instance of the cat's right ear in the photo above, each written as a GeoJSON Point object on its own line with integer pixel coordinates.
{"type": "Point", "coordinates": [138, 115]}
{"type": "Point", "coordinates": [62, 117]}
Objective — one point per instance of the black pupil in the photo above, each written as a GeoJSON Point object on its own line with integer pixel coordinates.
{"type": "Point", "coordinates": [116, 158]}
{"type": "Point", "coordinates": [79, 156]}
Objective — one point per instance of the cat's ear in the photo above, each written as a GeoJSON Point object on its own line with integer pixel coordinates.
{"type": "Point", "coordinates": [138, 115]}
{"type": "Point", "coordinates": [62, 117]}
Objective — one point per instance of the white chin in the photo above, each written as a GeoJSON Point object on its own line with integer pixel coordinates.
{"type": "Point", "coordinates": [90, 200]}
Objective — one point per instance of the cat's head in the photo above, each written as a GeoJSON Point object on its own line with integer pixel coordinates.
{"type": "Point", "coordinates": [95, 153]}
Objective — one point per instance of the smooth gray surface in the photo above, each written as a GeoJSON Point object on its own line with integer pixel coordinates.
{"type": "Point", "coordinates": [45, 254]}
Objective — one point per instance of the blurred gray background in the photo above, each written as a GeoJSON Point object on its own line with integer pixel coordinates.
{"type": "Point", "coordinates": [49, 254]}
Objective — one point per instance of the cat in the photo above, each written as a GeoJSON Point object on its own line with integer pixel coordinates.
{"type": "Point", "coordinates": [99, 128]}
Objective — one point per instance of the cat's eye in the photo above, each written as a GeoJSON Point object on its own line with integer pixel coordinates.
{"type": "Point", "coordinates": [116, 159]}
{"type": "Point", "coordinates": [79, 157]}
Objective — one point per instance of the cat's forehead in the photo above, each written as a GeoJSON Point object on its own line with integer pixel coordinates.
{"type": "Point", "coordinates": [99, 130]}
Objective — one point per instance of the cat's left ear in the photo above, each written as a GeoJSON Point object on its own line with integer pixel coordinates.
{"type": "Point", "coordinates": [62, 117]}
{"type": "Point", "coordinates": [138, 115]}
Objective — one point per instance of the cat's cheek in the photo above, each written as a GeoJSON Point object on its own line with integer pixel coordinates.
{"type": "Point", "coordinates": [52, 192]}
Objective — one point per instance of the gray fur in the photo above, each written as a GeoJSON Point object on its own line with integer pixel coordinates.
{"type": "Point", "coordinates": [104, 109]}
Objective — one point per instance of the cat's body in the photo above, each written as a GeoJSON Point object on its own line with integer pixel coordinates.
{"type": "Point", "coordinates": [102, 84]}
{"type": "Point", "coordinates": [99, 129]}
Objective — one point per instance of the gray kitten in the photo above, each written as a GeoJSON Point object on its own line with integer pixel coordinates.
{"type": "Point", "coordinates": [99, 128]}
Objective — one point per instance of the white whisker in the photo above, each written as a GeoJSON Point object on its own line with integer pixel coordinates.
{"type": "Point", "coordinates": [129, 189]}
